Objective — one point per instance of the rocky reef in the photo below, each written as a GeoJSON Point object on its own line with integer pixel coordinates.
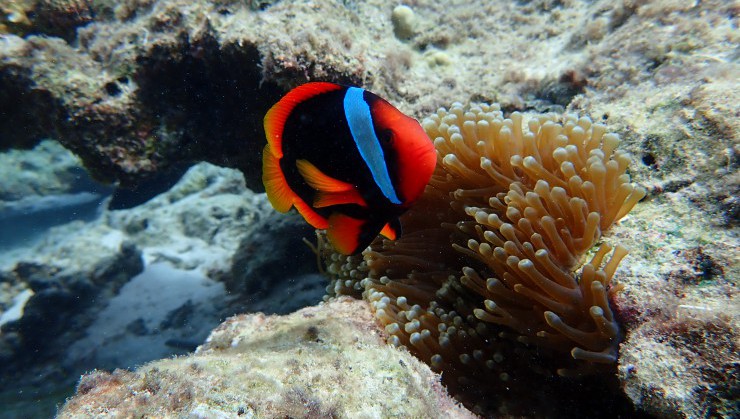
{"type": "Point", "coordinates": [150, 86]}
{"type": "Point", "coordinates": [139, 89]}
{"type": "Point", "coordinates": [300, 365]}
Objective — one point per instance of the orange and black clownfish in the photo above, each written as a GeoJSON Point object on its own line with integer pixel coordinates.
{"type": "Point", "coordinates": [347, 160]}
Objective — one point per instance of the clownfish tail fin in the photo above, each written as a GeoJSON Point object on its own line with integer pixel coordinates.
{"type": "Point", "coordinates": [392, 230]}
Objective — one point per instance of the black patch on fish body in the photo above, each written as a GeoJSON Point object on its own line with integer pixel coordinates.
{"type": "Point", "coordinates": [317, 131]}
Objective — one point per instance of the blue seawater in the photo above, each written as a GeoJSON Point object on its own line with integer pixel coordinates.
{"type": "Point", "coordinates": [84, 287]}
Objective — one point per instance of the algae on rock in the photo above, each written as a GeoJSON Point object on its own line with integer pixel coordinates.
{"type": "Point", "coordinates": [325, 361]}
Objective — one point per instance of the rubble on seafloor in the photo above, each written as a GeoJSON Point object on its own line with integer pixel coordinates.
{"type": "Point", "coordinates": [141, 86]}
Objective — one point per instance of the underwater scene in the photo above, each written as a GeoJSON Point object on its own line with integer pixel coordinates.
{"type": "Point", "coordinates": [369, 209]}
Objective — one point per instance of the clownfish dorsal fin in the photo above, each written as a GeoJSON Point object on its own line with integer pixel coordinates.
{"type": "Point", "coordinates": [330, 191]}
{"type": "Point", "coordinates": [392, 229]}
{"type": "Point", "coordinates": [277, 115]}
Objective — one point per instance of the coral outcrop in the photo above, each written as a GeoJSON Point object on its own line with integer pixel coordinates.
{"type": "Point", "coordinates": [679, 309]}
{"type": "Point", "coordinates": [324, 361]}
{"type": "Point", "coordinates": [151, 86]}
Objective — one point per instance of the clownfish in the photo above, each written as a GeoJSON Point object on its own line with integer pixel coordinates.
{"type": "Point", "coordinates": [347, 160]}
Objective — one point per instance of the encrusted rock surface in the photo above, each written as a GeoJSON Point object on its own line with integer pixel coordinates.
{"type": "Point", "coordinates": [679, 309]}
{"type": "Point", "coordinates": [155, 84]}
{"type": "Point", "coordinates": [325, 361]}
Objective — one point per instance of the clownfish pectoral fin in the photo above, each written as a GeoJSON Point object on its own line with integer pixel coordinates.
{"type": "Point", "coordinates": [350, 235]}
{"type": "Point", "coordinates": [326, 199]}
{"type": "Point", "coordinates": [278, 192]}
{"type": "Point", "coordinates": [320, 181]}
{"type": "Point", "coordinates": [392, 230]}
{"type": "Point", "coordinates": [330, 191]}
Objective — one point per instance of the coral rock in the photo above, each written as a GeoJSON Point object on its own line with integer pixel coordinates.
{"type": "Point", "coordinates": [325, 361]}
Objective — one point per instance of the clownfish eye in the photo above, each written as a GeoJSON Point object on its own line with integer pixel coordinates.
{"type": "Point", "coordinates": [386, 137]}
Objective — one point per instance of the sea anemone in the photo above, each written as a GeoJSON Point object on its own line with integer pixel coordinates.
{"type": "Point", "coordinates": [494, 280]}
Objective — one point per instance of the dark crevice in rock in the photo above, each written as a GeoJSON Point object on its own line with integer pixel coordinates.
{"type": "Point", "coordinates": [27, 115]}
{"type": "Point", "coordinates": [209, 103]}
